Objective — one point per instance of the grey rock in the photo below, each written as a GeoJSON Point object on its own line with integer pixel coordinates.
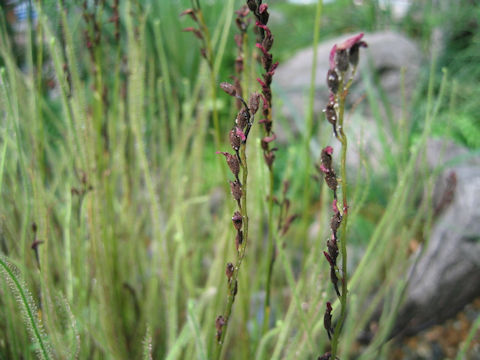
{"type": "Point", "coordinates": [446, 276]}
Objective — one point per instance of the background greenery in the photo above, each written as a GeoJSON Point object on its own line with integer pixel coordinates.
{"type": "Point", "coordinates": [111, 153]}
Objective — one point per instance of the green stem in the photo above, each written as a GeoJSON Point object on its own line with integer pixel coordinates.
{"type": "Point", "coordinates": [343, 228]}
{"type": "Point", "coordinates": [241, 253]}
{"type": "Point", "coordinates": [270, 256]}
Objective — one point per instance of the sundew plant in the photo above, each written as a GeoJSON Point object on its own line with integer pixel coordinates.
{"type": "Point", "coordinates": [149, 210]}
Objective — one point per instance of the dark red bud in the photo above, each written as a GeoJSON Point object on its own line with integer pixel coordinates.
{"type": "Point", "coordinates": [335, 222]}
{"type": "Point", "coordinates": [332, 81]}
{"type": "Point", "coordinates": [269, 139]}
{"type": "Point", "coordinates": [329, 259]}
{"type": "Point", "coordinates": [252, 5]}
{"type": "Point", "coordinates": [236, 190]}
{"type": "Point", "coordinates": [232, 162]}
{"type": "Point", "coordinates": [354, 52]}
{"type": "Point", "coordinates": [235, 140]}
{"type": "Point", "coordinates": [326, 159]}
{"type": "Point", "coordinates": [332, 249]}
{"type": "Point", "coordinates": [330, 113]}
{"type": "Point", "coordinates": [326, 356]}
{"type": "Point", "coordinates": [35, 244]}
{"type": "Point", "coordinates": [191, 13]}
{"type": "Point", "coordinates": [228, 88]}
{"type": "Point", "coordinates": [241, 134]}
{"type": "Point", "coordinates": [219, 323]}
{"type": "Point", "coordinates": [268, 41]}
{"type": "Point", "coordinates": [229, 270]}
{"type": "Point", "coordinates": [239, 240]}
{"type": "Point", "coordinates": [242, 119]}
{"type": "Point", "coordinates": [237, 220]}
{"type": "Point", "coordinates": [342, 60]}
{"type": "Point", "coordinates": [327, 320]}
{"type": "Point", "coordinates": [254, 103]}
{"type": "Point", "coordinates": [331, 180]}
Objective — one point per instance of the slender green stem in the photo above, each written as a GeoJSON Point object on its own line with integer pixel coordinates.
{"type": "Point", "coordinates": [270, 256]}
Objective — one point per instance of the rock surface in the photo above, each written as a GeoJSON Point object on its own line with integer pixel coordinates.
{"type": "Point", "coordinates": [446, 276]}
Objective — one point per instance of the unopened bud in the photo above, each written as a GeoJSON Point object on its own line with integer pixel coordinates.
{"type": "Point", "coordinates": [329, 259]}
{"type": "Point", "coordinates": [237, 220]}
{"type": "Point", "coordinates": [235, 140]}
{"type": "Point", "coordinates": [239, 240]}
{"type": "Point", "coordinates": [252, 5]}
{"type": "Point", "coordinates": [254, 102]}
{"type": "Point", "coordinates": [331, 180]}
{"type": "Point", "coordinates": [342, 60]}
{"type": "Point", "coordinates": [236, 190]}
{"type": "Point", "coordinates": [335, 221]}
{"type": "Point", "coordinates": [229, 270]}
{"type": "Point", "coordinates": [232, 162]}
{"type": "Point", "coordinates": [242, 118]}
{"type": "Point", "coordinates": [219, 323]}
{"type": "Point", "coordinates": [228, 88]}
{"type": "Point", "coordinates": [327, 320]}
{"type": "Point", "coordinates": [330, 113]}
{"type": "Point", "coordinates": [191, 13]}
{"type": "Point", "coordinates": [326, 158]}
{"type": "Point", "coordinates": [332, 81]}
{"type": "Point", "coordinates": [332, 249]}
{"type": "Point", "coordinates": [354, 52]}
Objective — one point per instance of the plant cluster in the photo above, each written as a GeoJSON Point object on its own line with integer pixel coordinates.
{"type": "Point", "coordinates": [112, 205]}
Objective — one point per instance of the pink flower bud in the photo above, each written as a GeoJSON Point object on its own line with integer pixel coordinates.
{"type": "Point", "coordinates": [228, 88]}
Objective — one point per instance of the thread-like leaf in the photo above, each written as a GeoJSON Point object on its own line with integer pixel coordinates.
{"type": "Point", "coordinates": [29, 310]}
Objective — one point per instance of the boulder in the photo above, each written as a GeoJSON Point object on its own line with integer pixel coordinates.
{"type": "Point", "coordinates": [446, 275]}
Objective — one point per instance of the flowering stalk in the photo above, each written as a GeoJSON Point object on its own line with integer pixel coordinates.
{"type": "Point", "coordinates": [201, 32]}
{"type": "Point", "coordinates": [238, 166]}
{"type": "Point", "coordinates": [341, 58]}
{"type": "Point", "coordinates": [240, 40]}
{"type": "Point", "coordinates": [264, 44]}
